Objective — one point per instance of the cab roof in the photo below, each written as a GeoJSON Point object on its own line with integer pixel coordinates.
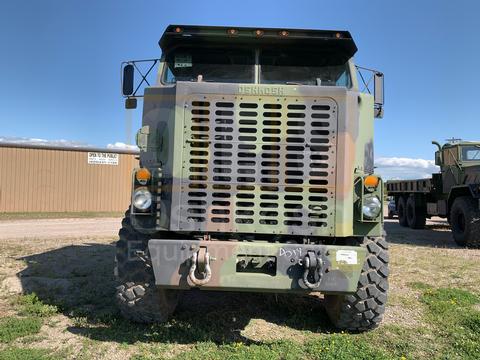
{"type": "Point", "coordinates": [461, 143]}
{"type": "Point", "coordinates": [340, 42]}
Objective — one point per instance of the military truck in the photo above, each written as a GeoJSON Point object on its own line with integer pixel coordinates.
{"type": "Point", "coordinates": [453, 193]}
{"type": "Point", "coordinates": [256, 173]}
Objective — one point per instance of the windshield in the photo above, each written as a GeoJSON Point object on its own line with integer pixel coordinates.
{"type": "Point", "coordinates": [215, 65]}
{"type": "Point", "coordinates": [305, 68]}
{"type": "Point", "coordinates": [238, 66]}
{"type": "Point", "coordinates": [471, 153]}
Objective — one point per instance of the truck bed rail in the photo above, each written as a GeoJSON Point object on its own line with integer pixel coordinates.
{"type": "Point", "coordinates": [410, 186]}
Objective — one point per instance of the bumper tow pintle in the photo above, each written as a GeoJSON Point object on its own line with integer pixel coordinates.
{"type": "Point", "coordinates": [202, 257]}
{"type": "Point", "coordinates": [313, 268]}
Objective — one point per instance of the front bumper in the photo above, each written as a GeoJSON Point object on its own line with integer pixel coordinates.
{"type": "Point", "coordinates": [257, 266]}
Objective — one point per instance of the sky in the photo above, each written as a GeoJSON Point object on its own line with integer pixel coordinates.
{"type": "Point", "coordinates": [60, 63]}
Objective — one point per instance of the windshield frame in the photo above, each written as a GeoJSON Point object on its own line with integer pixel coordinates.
{"type": "Point", "coordinates": [463, 150]}
{"type": "Point", "coordinates": [352, 80]}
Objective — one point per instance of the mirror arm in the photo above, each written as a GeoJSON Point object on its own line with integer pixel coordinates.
{"type": "Point", "coordinates": [437, 144]}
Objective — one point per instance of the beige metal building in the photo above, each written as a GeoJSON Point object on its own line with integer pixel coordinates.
{"type": "Point", "coordinates": [36, 178]}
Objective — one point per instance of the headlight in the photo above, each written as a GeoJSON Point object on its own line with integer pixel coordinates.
{"type": "Point", "coordinates": [142, 199]}
{"type": "Point", "coordinates": [371, 207]}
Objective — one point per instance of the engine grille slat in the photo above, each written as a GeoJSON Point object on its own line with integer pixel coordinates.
{"type": "Point", "coordinates": [259, 165]}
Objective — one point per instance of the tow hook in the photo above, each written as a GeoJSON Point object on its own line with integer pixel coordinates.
{"type": "Point", "coordinates": [200, 259]}
{"type": "Point", "coordinates": [312, 265]}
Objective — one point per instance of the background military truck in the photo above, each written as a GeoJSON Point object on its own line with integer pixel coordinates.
{"type": "Point", "coordinates": [454, 193]}
{"type": "Point", "coordinates": [256, 162]}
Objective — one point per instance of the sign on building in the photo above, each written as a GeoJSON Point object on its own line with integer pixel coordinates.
{"type": "Point", "coordinates": [102, 158]}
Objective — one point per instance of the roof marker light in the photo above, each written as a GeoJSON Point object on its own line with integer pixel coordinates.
{"type": "Point", "coordinates": [283, 33]}
{"type": "Point", "coordinates": [259, 32]}
{"type": "Point", "coordinates": [232, 31]}
{"type": "Point", "coordinates": [178, 30]}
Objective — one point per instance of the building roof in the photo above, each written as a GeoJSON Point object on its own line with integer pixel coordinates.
{"type": "Point", "coordinates": [68, 148]}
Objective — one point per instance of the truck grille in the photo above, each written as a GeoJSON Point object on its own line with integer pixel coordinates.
{"type": "Point", "coordinates": [259, 164]}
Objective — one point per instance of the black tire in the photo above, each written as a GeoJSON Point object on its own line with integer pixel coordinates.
{"type": "Point", "coordinates": [364, 309]}
{"type": "Point", "coordinates": [465, 222]}
{"type": "Point", "coordinates": [137, 296]}
{"type": "Point", "coordinates": [402, 212]}
{"type": "Point", "coordinates": [415, 213]}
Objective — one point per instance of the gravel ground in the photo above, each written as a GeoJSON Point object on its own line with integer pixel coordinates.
{"type": "Point", "coordinates": [103, 227]}
{"type": "Point", "coordinates": [56, 228]}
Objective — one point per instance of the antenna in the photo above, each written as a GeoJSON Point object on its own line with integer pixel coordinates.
{"type": "Point", "coordinates": [453, 140]}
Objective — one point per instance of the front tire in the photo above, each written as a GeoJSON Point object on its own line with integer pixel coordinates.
{"type": "Point", "coordinates": [137, 296]}
{"type": "Point", "coordinates": [465, 222]}
{"type": "Point", "coordinates": [364, 309]}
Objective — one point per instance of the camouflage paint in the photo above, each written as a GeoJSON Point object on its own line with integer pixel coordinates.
{"type": "Point", "coordinates": [170, 142]}
{"type": "Point", "coordinates": [166, 144]}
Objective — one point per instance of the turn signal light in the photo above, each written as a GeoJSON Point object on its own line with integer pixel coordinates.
{"type": "Point", "coordinates": [371, 181]}
{"type": "Point", "coordinates": [143, 175]}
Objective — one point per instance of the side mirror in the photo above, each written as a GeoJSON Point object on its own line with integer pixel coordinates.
{"type": "Point", "coordinates": [378, 94]}
{"type": "Point", "coordinates": [128, 80]}
{"type": "Point", "coordinates": [378, 88]}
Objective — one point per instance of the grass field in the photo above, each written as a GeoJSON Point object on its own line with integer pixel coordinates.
{"type": "Point", "coordinates": [433, 309]}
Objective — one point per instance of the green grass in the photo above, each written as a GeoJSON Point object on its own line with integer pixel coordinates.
{"type": "Point", "coordinates": [456, 321]}
{"type": "Point", "coordinates": [32, 311]}
{"type": "Point", "coordinates": [12, 328]}
{"type": "Point", "coordinates": [15, 353]}
{"type": "Point", "coordinates": [335, 346]}
{"type": "Point", "coordinates": [31, 305]}
{"type": "Point", "coordinates": [57, 215]}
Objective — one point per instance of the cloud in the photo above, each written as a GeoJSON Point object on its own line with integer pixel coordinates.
{"type": "Point", "coordinates": [396, 168]}
{"type": "Point", "coordinates": [44, 142]}
{"type": "Point", "coordinates": [123, 146]}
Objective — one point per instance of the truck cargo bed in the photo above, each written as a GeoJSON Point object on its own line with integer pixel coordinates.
{"type": "Point", "coordinates": [409, 186]}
